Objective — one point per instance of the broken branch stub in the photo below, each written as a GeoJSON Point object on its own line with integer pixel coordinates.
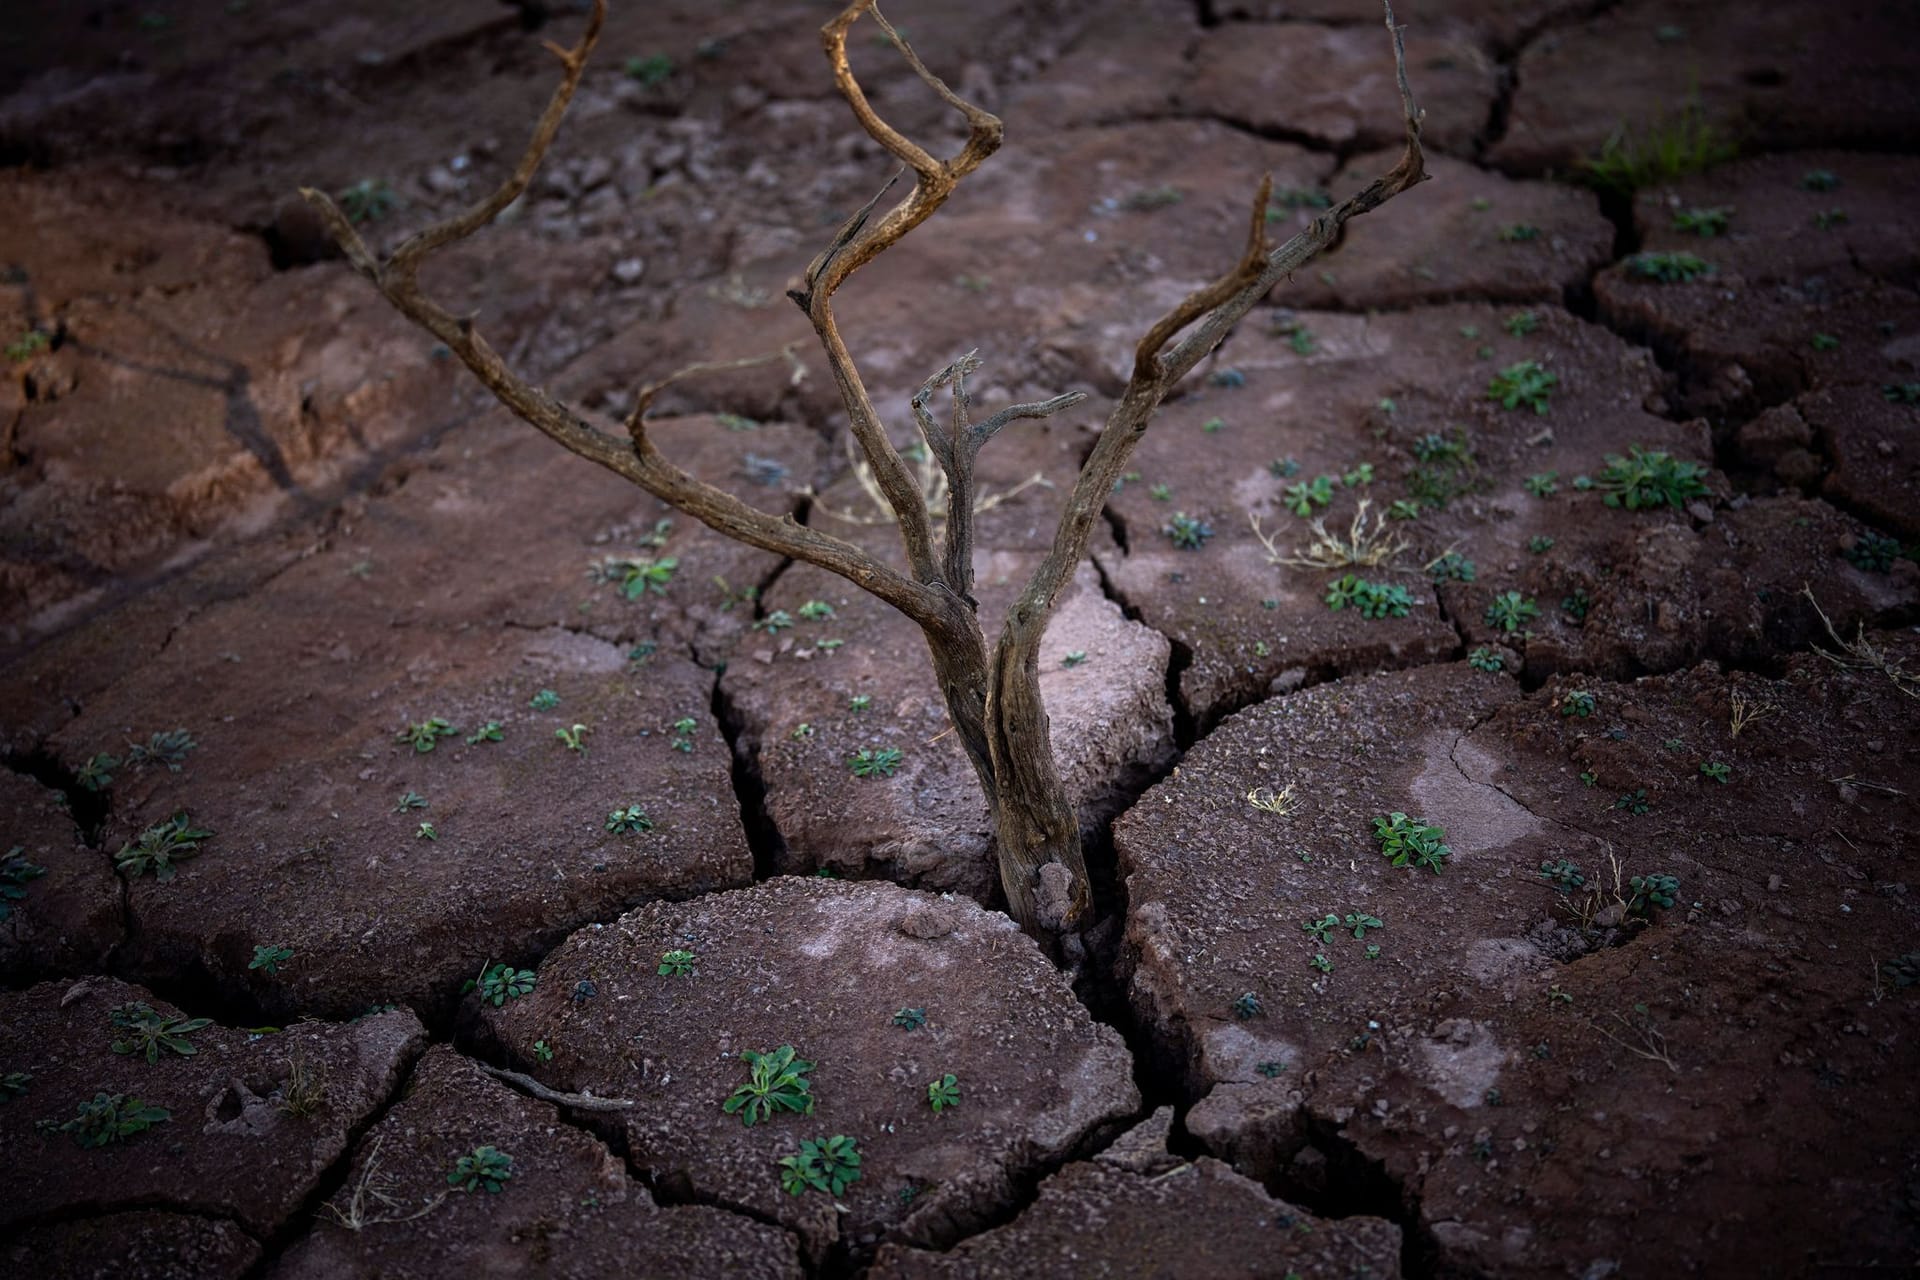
{"type": "Point", "coordinates": [992, 695]}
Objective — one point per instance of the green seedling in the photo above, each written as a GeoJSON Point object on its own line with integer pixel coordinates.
{"type": "Point", "coordinates": [1819, 180]}
{"type": "Point", "coordinates": [368, 200]}
{"type": "Point", "coordinates": [1634, 802]}
{"type": "Point", "coordinates": [777, 1081]}
{"type": "Point", "coordinates": [629, 821]}
{"type": "Point", "coordinates": [910, 1019]}
{"type": "Point", "coordinates": [1668, 268]}
{"type": "Point", "coordinates": [776, 622]}
{"type": "Point", "coordinates": [110, 1118]}
{"type": "Point", "coordinates": [1160, 493]}
{"type": "Point", "coordinates": [1828, 219]}
{"type": "Point", "coordinates": [635, 576]}
{"type": "Point", "coordinates": [1873, 552]}
{"type": "Point", "coordinates": [683, 734]}
{"type": "Point", "coordinates": [1648, 478]}
{"type": "Point", "coordinates": [1485, 659]}
{"type": "Point", "coordinates": [159, 847]}
{"type": "Point", "coordinates": [97, 773]}
{"type": "Point", "coordinates": [1510, 611]}
{"type": "Point", "coordinates": [1321, 963]}
{"type": "Point", "coordinates": [545, 700]}
{"type": "Point", "coordinates": [1303, 496]}
{"type": "Point", "coordinates": [1539, 544]}
{"type": "Point", "coordinates": [169, 749]}
{"type": "Point", "coordinates": [1189, 533]}
{"type": "Point", "coordinates": [1521, 323]}
{"type": "Point", "coordinates": [1213, 426]}
{"type": "Point", "coordinates": [1651, 891]}
{"type": "Point", "coordinates": [1248, 1006]}
{"type": "Point", "coordinates": [1901, 392]}
{"type": "Point", "coordinates": [1718, 772]}
{"type": "Point", "coordinates": [1577, 702]}
{"type": "Point", "coordinates": [149, 1031]}
{"type": "Point", "coordinates": [654, 69]}
{"type": "Point", "coordinates": [409, 800]}
{"type": "Point", "coordinates": [1544, 484]}
{"type": "Point", "coordinates": [868, 762]}
{"type": "Point", "coordinates": [268, 959]}
{"type": "Point", "coordinates": [1705, 223]}
{"type": "Point", "coordinates": [1564, 875]}
{"type": "Point", "coordinates": [1452, 567]}
{"type": "Point", "coordinates": [824, 1164]}
{"type": "Point", "coordinates": [1824, 342]}
{"type": "Point", "coordinates": [1269, 1070]}
{"type": "Point", "coordinates": [1577, 605]}
{"type": "Point", "coordinates": [1372, 952]}
{"type": "Point", "coordinates": [1903, 971]}
{"type": "Point", "coordinates": [482, 1169]}
{"type": "Point", "coordinates": [1231, 379]}
{"type": "Point", "coordinates": [1301, 340]}
{"type": "Point", "coordinates": [1321, 927]}
{"type": "Point", "coordinates": [23, 348]}
{"type": "Point", "coordinates": [14, 1085]}
{"type": "Point", "coordinates": [816, 611]}
{"type": "Point", "coordinates": [1407, 841]}
{"type": "Point", "coordinates": [1672, 147]}
{"type": "Point", "coordinates": [574, 737]}
{"type": "Point", "coordinates": [488, 732]}
{"type": "Point", "coordinates": [15, 872]}
{"type": "Point", "coordinates": [1526, 384]}
{"type": "Point", "coordinates": [1371, 599]}
{"type": "Point", "coordinates": [1360, 922]}
{"type": "Point", "coordinates": [1284, 468]}
{"type": "Point", "coordinates": [500, 983]}
{"type": "Point", "coordinates": [1361, 473]}
{"type": "Point", "coordinates": [542, 1051]}
{"type": "Point", "coordinates": [425, 735]}
{"type": "Point", "coordinates": [426, 831]}
{"type": "Point", "coordinates": [944, 1093]}
{"type": "Point", "coordinates": [676, 963]}
{"type": "Point", "coordinates": [1519, 233]}
{"type": "Point", "coordinates": [860, 702]}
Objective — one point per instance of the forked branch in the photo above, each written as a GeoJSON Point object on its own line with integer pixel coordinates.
{"type": "Point", "coordinates": [638, 460]}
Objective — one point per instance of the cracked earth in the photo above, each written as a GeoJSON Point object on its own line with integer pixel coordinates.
{"type": "Point", "coordinates": [240, 498]}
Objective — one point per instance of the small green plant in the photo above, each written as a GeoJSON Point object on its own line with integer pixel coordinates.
{"type": "Point", "coordinates": [1189, 533]}
{"type": "Point", "coordinates": [1213, 426]}
{"type": "Point", "coordinates": [682, 730]}
{"type": "Point", "coordinates": [1301, 340]}
{"type": "Point", "coordinates": [1564, 875]}
{"type": "Point", "coordinates": [910, 1019]}
{"type": "Point", "coordinates": [1671, 147]}
{"type": "Point", "coordinates": [1903, 971]}
{"type": "Point", "coordinates": [169, 749]}
{"type": "Point", "coordinates": [1320, 927]}
{"type": "Point", "coordinates": [1539, 544]}
{"type": "Point", "coordinates": [1451, 567]}
{"type": "Point", "coordinates": [97, 773]}
{"type": "Point", "coordinates": [1360, 473]}
{"type": "Point", "coordinates": [488, 732]}
{"type": "Point", "coordinates": [23, 348]}
{"type": "Point", "coordinates": [484, 1168]}
{"type": "Point", "coordinates": [159, 847]}
{"type": "Point", "coordinates": [1718, 772]}
{"type": "Point", "coordinates": [500, 983]}
{"type": "Point", "coordinates": [1527, 384]}
{"type": "Point", "coordinates": [1270, 1069]}
{"type": "Point", "coordinates": [1321, 962]}
{"type": "Point", "coordinates": [816, 611]}
{"type": "Point", "coordinates": [1543, 484]}
{"type": "Point", "coordinates": [1577, 702]}
{"type": "Point", "coordinates": [542, 1051]}
{"type": "Point", "coordinates": [268, 959]}
{"type": "Point", "coordinates": [1648, 478]}
{"type": "Point", "coordinates": [1521, 323]}
{"type": "Point", "coordinates": [110, 1118]}
{"type": "Point", "coordinates": [1703, 222]}
{"type": "Point", "coordinates": [635, 576]}
{"type": "Point", "coordinates": [1371, 599]}
{"type": "Point", "coordinates": [1634, 802]}
{"type": "Point", "coordinates": [944, 1093]}
{"type": "Point", "coordinates": [776, 622]}
{"type": "Point", "coordinates": [1873, 552]}
{"type": "Point", "coordinates": [824, 1164]}
{"type": "Point", "coordinates": [1247, 1007]}
{"type": "Point", "coordinates": [860, 702]}
{"type": "Point", "coordinates": [149, 1031]}
{"type": "Point", "coordinates": [868, 762]}
{"type": "Point", "coordinates": [574, 736]}
{"type": "Point", "coordinates": [409, 800]}
{"type": "Point", "coordinates": [1485, 659]}
{"type": "Point", "coordinates": [368, 200]}
{"type": "Point", "coordinates": [1510, 611]}
{"type": "Point", "coordinates": [676, 963]}
{"type": "Point", "coordinates": [1647, 892]}
{"type": "Point", "coordinates": [1828, 219]}
{"type": "Point", "coordinates": [1819, 180]}
{"type": "Point", "coordinates": [1577, 605]}
{"type": "Point", "coordinates": [629, 821]}
{"type": "Point", "coordinates": [1407, 841]}
{"type": "Point", "coordinates": [426, 831]}
{"type": "Point", "coordinates": [1284, 468]}
{"type": "Point", "coordinates": [1588, 778]}
{"type": "Point", "coordinates": [1668, 268]}
{"type": "Point", "coordinates": [1372, 952]}
{"type": "Point", "coordinates": [1519, 233]}
{"type": "Point", "coordinates": [777, 1081]}
{"type": "Point", "coordinates": [15, 872]}
{"type": "Point", "coordinates": [654, 69]}
{"type": "Point", "coordinates": [1824, 342]}
{"type": "Point", "coordinates": [545, 700]}
{"type": "Point", "coordinates": [1303, 496]}
{"type": "Point", "coordinates": [1360, 922]}
{"type": "Point", "coordinates": [425, 735]}
{"type": "Point", "coordinates": [14, 1085]}
{"type": "Point", "coordinates": [1160, 493]}
{"type": "Point", "coordinates": [1901, 392]}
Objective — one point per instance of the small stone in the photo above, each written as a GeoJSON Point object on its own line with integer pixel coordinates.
{"type": "Point", "coordinates": [628, 271]}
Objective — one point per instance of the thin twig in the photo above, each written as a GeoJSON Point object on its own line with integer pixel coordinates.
{"type": "Point", "coordinates": [579, 1101]}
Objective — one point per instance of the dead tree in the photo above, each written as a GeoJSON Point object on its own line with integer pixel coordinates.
{"type": "Point", "coordinates": [992, 693]}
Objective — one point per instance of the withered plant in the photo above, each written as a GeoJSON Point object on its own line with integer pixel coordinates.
{"type": "Point", "coordinates": [992, 692]}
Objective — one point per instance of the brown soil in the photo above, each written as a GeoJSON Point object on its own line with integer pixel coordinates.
{"type": "Point", "coordinates": [241, 498]}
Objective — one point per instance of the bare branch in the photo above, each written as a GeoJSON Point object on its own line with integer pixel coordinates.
{"type": "Point", "coordinates": [985, 431]}
{"type": "Point", "coordinates": [578, 1101]}
{"type": "Point", "coordinates": [643, 399]}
